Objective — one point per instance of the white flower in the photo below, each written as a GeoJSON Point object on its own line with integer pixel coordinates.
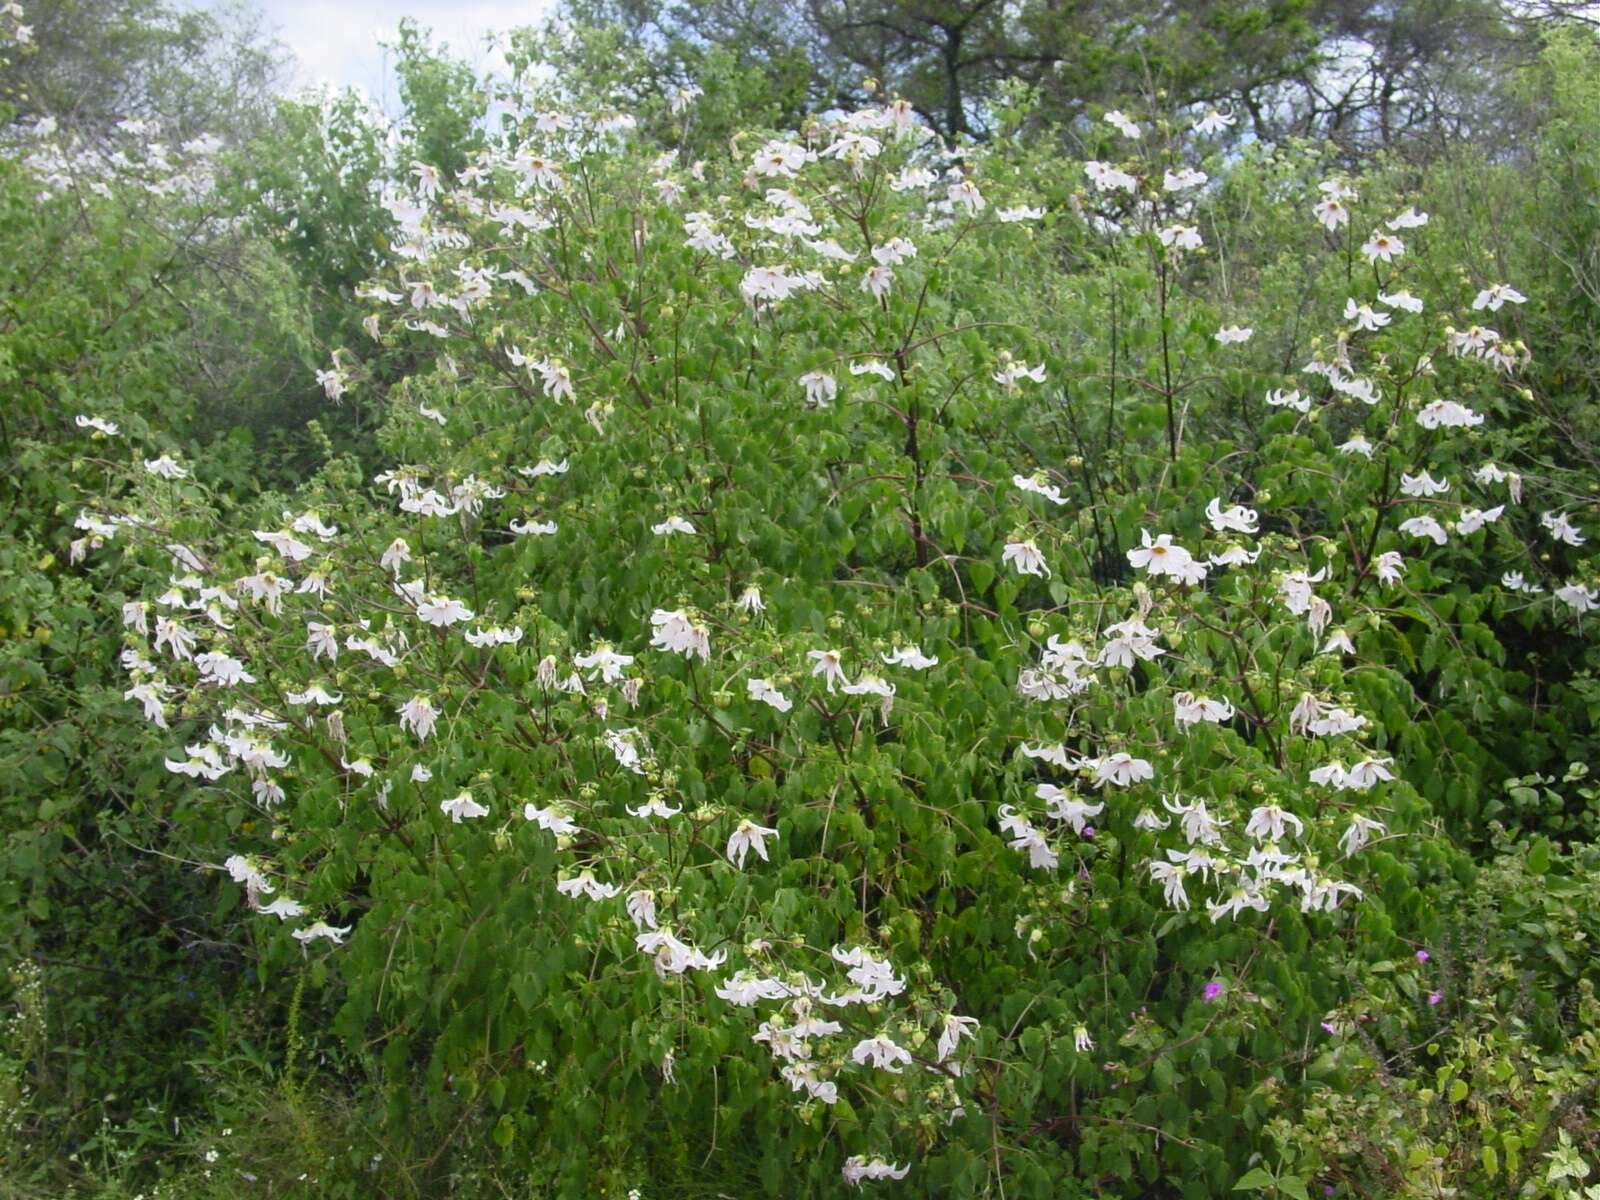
{"type": "Point", "coordinates": [99, 424]}
{"type": "Point", "coordinates": [246, 871]}
{"type": "Point", "coordinates": [322, 930]}
{"type": "Point", "coordinates": [857, 1167]}
{"type": "Point", "coordinates": [151, 696]}
{"type": "Point", "coordinates": [605, 663]}
{"type": "Point", "coordinates": [1170, 876]}
{"type": "Point", "coordinates": [1187, 709]}
{"type": "Point", "coordinates": [1425, 527]}
{"type": "Point", "coordinates": [1107, 178]}
{"type": "Point", "coordinates": [532, 528]}
{"type": "Point", "coordinates": [1214, 122]}
{"type": "Point", "coordinates": [951, 1031]}
{"type": "Point", "coordinates": [748, 836]}
{"type": "Point", "coordinates": [321, 640]}
{"type": "Point", "coordinates": [1238, 518]}
{"type": "Point", "coordinates": [1356, 445]}
{"type": "Point", "coordinates": [221, 669]}
{"type": "Point", "coordinates": [1473, 519]}
{"type": "Point", "coordinates": [770, 283]}
{"type": "Point", "coordinates": [1402, 300]}
{"type": "Point", "coordinates": [620, 743]}
{"type": "Point", "coordinates": [291, 548]}
{"type": "Point", "coordinates": [1014, 371]}
{"type": "Point", "coordinates": [1382, 247]}
{"type": "Point", "coordinates": [1330, 775]}
{"type": "Point", "coordinates": [655, 806]}
{"type": "Point", "coordinates": [1514, 581]}
{"type": "Point", "coordinates": [550, 819]}
{"type": "Point", "coordinates": [1065, 806]}
{"type": "Point", "coordinates": [1331, 722]}
{"type": "Point", "coordinates": [673, 524]}
{"type": "Point", "coordinates": [913, 178]}
{"type": "Point", "coordinates": [1561, 528]}
{"type": "Point", "coordinates": [542, 468]}
{"type": "Point", "coordinates": [1389, 567]}
{"type": "Point", "coordinates": [641, 906]}
{"type": "Point", "coordinates": [1365, 316]}
{"type": "Point", "coordinates": [1010, 216]}
{"type": "Point", "coordinates": [1124, 125]}
{"type": "Point", "coordinates": [166, 467]}
{"type": "Point", "coordinates": [1121, 769]}
{"type": "Point", "coordinates": [586, 884]}
{"type": "Point", "coordinates": [778, 157]}
{"type": "Point", "coordinates": [873, 367]}
{"type": "Point", "coordinates": [1269, 822]}
{"type": "Point", "coordinates": [1410, 219]}
{"type": "Point", "coordinates": [1027, 559]}
{"type": "Point", "coordinates": [1295, 588]}
{"type": "Point", "coordinates": [966, 194]}
{"type": "Point", "coordinates": [1233, 335]}
{"type": "Point", "coordinates": [1422, 485]}
{"type": "Point", "coordinates": [1339, 640]}
{"type": "Point", "coordinates": [877, 281]}
{"type": "Point", "coordinates": [1162, 557]}
{"type": "Point", "coordinates": [750, 601]}
{"type": "Point", "coordinates": [1278, 398]}
{"type": "Point", "coordinates": [1331, 213]}
{"type": "Point", "coordinates": [1081, 1041]}
{"type": "Point", "coordinates": [910, 656]}
{"type": "Point", "coordinates": [1366, 773]}
{"type": "Point", "coordinates": [894, 252]}
{"type": "Point", "coordinates": [675, 630]}
{"type": "Point", "coordinates": [283, 908]}
{"type": "Point", "coordinates": [1360, 832]}
{"type": "Point", "coordinates": [1493, 297]}
{"type": "Point", "coordinates": [1239, 899]}
{"type": "Point", "coordinates": [314, 694]}
{"type": "Point", "coordinates": [1180, 237]}
{"type": "Point", "coordinates": [442, 612]}
{"type": "Point", "coordinates": [1182, 180]}
{"type": "Point", "coordinates": [1447, 414]}
{"type": "Point", "coordinates": [1037, 485]}
{"type": "Point", "coordinates": [821, 388]}
{"type": "Point", "coordinates": [869, 685]}
{"type": "Point", "coordinates": [418, 715]}
{"type": "Point", "coordinates": [1577, 597]}
{"type": "Point", "coordinates": [265, 588]}
{"type": "Point", "coordinates": [827, 665]}
{"type": "Point", "coordinates": [882, 1052]}
{"type": "Point", "coordinates": [762, 690]}
{"type": "Point", "coordinates": [462, 805]}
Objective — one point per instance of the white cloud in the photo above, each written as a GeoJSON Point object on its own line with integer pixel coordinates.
{"type": "Point", "coordinates": [336, 41]}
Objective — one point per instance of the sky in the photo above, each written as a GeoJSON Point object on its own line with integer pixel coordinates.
{"type": "Point", "coordinates": [336, 41]}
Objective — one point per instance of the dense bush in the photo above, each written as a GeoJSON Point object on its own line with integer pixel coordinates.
{"type": "Point", "coordinates": [860, 662]}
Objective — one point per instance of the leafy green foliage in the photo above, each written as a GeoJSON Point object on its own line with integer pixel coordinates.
{"type": "Point", "coordinates": [580, 789]}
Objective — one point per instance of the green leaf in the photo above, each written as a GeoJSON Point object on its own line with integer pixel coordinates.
{"type": "Point", "coordinates": [505, 1131]}
{"type": "Point", "coordinates": [1255, 1180]}
{"type": "Point", "coordinates": [1539, 857]}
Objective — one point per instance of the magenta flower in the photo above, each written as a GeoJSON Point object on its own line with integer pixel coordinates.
{"type": "Point", "coordinates": [1423, 956]}
{"type": "Point", "coordinates": [1212, 990]}
{"type": "Point", "coordinates": [1435, 997]}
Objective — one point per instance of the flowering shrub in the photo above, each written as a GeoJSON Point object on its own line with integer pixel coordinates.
{"type": "Point", "coordinates": [748, 709]}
